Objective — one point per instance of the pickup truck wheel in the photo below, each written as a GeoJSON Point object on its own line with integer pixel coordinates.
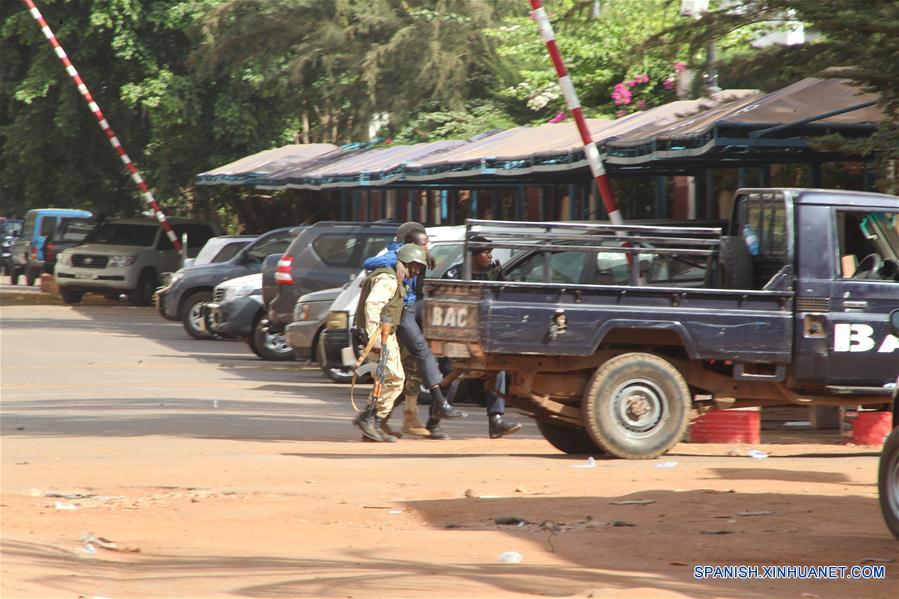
{"type": "Point", "coordinates": [71, 296]}
{"type": "Point", "coordinates": [888, 482]}
{"type": "Point", "coordinates": [636, 406]}
{"type": "Point", "coordinates": [569, 439]}
{"type": "Point", "coordinates": [338, 375]}
{"type": "Point", "coordinates": [191, 314]}
{"type": "Point", "coordinates": [735, 264]}
{"type": "Point", "coordinates": [271, 346]}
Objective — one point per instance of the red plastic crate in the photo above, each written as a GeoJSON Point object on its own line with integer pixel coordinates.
{"type": "Point", "coordinates": [728, 426]}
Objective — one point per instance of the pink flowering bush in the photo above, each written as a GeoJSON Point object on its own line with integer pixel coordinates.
{"type": "Point", "coordinates": [647, 89]}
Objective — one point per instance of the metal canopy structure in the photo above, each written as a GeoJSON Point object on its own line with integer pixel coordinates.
{"type": "Point", "coordinates": [735, 128]}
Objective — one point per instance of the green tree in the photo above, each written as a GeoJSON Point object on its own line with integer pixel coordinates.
{"type": "Point", "coordinates": [133, 55]}
{"type": "Point", "coordinates": [854, 39]}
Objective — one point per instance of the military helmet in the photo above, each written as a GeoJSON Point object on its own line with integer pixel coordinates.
{"type": "Point", "coordinates": [412, 253]}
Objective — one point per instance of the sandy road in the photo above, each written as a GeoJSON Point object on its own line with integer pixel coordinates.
{"type": "Point", "coordinates": [235, 477]}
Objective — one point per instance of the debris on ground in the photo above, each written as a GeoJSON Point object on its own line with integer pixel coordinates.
{"type": "Point", "coordinates": [590, 463]}
{"type": "Point", "coordinates": [510, 557]}
{"type": "Point", "coordinates": [510, 521]}
{"type": "Point", "coordinates": [756, 454]}
{"type": "Point", "coordinates": [666, 465]}
{"type": "Point", "coordinates": [91, 539]}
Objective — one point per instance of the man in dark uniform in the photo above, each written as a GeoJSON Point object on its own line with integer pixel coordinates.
{"type": "Point", "coordinates": [485, 268]}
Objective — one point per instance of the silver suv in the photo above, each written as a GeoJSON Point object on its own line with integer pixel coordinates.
{"type": "Point", "coordinates": [126, 256]}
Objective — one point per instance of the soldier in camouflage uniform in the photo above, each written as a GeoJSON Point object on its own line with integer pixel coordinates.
{"type": "Point", "coordinates": [380, 311]}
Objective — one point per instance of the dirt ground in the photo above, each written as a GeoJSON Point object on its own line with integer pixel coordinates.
{"type": "Point", "coordinates": [217, 475]}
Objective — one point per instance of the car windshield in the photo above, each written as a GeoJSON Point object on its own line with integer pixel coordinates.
{"type": "Point", "coordinates": [75, 230]}
{"type": "Point", "coordinates": [124, 234]}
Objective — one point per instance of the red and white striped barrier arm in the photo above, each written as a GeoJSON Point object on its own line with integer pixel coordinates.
{"type": "Point", "coordinates": [574, 106]}
{"type": "Point", "coordinates": [104, 125]}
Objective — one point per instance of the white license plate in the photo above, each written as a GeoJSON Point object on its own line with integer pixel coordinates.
{"type": "Point", "coordinates": [85, 275]}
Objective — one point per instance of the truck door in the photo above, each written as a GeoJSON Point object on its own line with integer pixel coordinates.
{"type": "Point", "coordinates": [864, 290]}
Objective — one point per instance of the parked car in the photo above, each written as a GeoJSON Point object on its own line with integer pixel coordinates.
{"type": "Point", "coordinates": [190, 287]}
{"type": "Point", "coordinates": [28, 249]}
{"type": "Point", "coordinates": [9, 229]}
{"type": "Point", "coordinates": [220, 249]}
{"type": "Point", "coordinates": [324, 256]}
{"type": "Point", "coordinates": [309, 316]}
{"type": "Point", "coordinates": [126, 256]}
{"type": "Point", "coordinates": [69, 233]}
{"type": "Point", "coordinates": [235, 311]}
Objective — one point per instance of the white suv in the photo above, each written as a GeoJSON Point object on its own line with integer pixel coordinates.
{"type": "Point", "coordinates": [126, 256]}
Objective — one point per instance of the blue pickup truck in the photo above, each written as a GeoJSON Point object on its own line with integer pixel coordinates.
{"type": "Point", "coordinates": [616, 334]}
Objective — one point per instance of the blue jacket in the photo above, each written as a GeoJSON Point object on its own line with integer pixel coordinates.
{"type": "Point", "coordinates": [388, 260]}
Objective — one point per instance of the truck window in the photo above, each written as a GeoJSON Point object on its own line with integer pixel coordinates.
{"type": "Point", "coordinates": [48, 226]}
{"type": "Point", "coordinates": [866, 240]}
{"type": "Point", "coordinates": [565, 267]}
{"type": "Point", "coordinates": [28, 227]}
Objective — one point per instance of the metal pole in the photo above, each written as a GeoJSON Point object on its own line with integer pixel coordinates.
{"type": "Point", "coordinates": [104, 125]}
{"type": "Point", "coordinates": [574, 106]}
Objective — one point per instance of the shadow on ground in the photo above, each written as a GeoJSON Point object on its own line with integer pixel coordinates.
{"type": "Point", "coordinates": [655, 549]}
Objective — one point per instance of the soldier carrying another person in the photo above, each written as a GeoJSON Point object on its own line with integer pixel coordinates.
{"type": "Point", "coordinates": [418, 361]}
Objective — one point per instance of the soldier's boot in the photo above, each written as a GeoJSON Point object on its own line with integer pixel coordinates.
{"type": "Point", "coordinates": [368, 424]}
{"type": "Point", "coordinates": [443, 408]}
{"type": "Point", "coordinates": [411, 424]}
{"type": "Point", "coordinates": [433, 427]}
{"type": "Point", "coordinates": [385, 436]}
{"type": "Point", "coordinates": [386, 428]}
{"type": "Point", "coordinates": [500, 427]}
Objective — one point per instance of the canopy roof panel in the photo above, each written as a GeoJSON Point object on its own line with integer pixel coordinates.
{"type": "Point", "coordinates": [733, 125]}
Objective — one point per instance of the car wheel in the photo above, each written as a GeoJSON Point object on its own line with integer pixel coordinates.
{"type": "Point", "coordinates": [636, 406]}
{"type": "Point", "coordinates": [71, 296]}
{"type": "Point", "coordinates": [191, 315]}
{"type": "Point", "coordinates": [569, 439]}
{"type": "Point", "coordinates": [888, 482]}
{"type": "Point", "coordinates": [142, 295]}
{"type": "Point", "coordinates": [271, 346]}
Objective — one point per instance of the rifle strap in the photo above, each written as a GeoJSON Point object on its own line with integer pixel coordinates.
{"type": "Point", "coordinates": [362, 357]}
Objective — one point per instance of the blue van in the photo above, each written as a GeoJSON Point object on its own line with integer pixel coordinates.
{"type": "Point", "coordinates": [28, 249]}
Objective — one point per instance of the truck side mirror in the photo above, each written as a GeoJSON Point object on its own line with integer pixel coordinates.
{"type": "Point", "coordinates": [894, 323]}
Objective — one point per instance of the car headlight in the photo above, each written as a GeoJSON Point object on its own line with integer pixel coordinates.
{"type": "Point", "coordinates": [64, 259]}
{"type": "Point", "coordinates": [237, 291]}
{"type": "Point", "coordinates": [121, 261]}
{"type": "Point", "coordinates": [338, 320]}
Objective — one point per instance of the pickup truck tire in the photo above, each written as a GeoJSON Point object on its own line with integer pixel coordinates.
{"type": "Point", "coordinates": [338, 375]}
{"type": "Point", "coordinates": [71, 296]}
{"type": "Point", "coordinates": [268, 346]}
{"type": "Point", "coordinates": [888, 482]}
{"type": "Point", "coordinates": [636, 406]}
{"type": "Point", "coordinates": [735, 264]}
{"type": "Point", "coordinates": [569, 439]}
{"type": "Point", "coordinates": [190, 314]}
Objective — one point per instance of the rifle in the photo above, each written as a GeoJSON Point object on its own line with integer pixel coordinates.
{"type": "Point", "coordinates": [379, 368]}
